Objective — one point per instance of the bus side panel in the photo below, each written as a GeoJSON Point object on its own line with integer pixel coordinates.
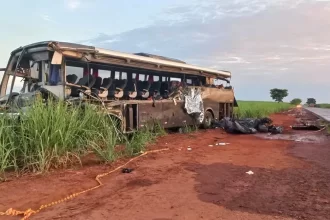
{"type": "Point", "coordinates": [218, 95]}
{"type": "Point", "coordinates": [149, 113]}
{"type": "Point", "coordinates": [213, 107]}
{"type": "Point", "coordinates": [175, 115]}
{"type": "Point", "coordinates": [220, 100]}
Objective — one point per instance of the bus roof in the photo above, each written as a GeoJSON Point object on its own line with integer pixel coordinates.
{"type": "Point", "coordinates": [139, 60]}
{"type": "Point", "coordinates": [159, 57]}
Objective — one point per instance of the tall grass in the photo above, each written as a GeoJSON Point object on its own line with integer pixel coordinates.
{"type": "Point", "coordinates": [136, 143]}
{"type": "Point", "coordinates": [56, 135]}
{"type": "Point", "coordinates": [324, 105]}
{"type": "Point", "coordinates": [255, 109]}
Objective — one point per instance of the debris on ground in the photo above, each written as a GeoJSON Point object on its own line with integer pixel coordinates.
{"type": "Point", "coordinates": [221, 144]}
{"type": "Point", "coordinates": [247, 126]}
{"type": "Point", "coordinates": [275, 129]}
{"type": "Point", "coordinates": [189, 148]}
{"type": "Point", "coordinates": [127, 170]}
{"type": "Point", "coordinates": [250, 172]}
{"type": "Point", "coordinates": [308, 125]}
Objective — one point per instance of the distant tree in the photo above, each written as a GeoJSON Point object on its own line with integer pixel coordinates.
{"type": "Point", "coordinates": [278, 94]}
{"type": "Point", "coordinates": [311, 101]}
{"type": "Point", "coordinates": [296, 101]}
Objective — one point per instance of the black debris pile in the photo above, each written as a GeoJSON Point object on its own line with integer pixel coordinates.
{"type": "Point", "coordinates": [247, 126]}
{"type": "Point", "coordinates": [127, 170]}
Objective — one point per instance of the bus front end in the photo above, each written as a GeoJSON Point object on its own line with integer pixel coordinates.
{"type": "Point", "coordinates": [29, 73]}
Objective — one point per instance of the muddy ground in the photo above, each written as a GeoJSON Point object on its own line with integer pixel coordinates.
{"type": "Point", "coordinates": [291, 180]}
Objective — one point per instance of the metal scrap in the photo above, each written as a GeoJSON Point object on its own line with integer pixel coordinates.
{"type": "Point", "coordinates": [248, 126]}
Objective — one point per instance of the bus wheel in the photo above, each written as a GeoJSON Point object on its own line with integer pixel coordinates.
{"type": "Point", "coordinates": [208, 118]}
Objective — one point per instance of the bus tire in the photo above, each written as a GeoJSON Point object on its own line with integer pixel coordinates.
{"type": "Point", "coordinates": [208, 118]}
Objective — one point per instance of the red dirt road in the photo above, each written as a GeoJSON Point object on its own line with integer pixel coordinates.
{"type": "Point", "coordinates": [291, 180]}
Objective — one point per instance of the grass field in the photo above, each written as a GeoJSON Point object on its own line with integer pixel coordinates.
{"type": "Point", "coordinates": [257, 109]}
{"type": "Point", "coordinates": [324, 105]}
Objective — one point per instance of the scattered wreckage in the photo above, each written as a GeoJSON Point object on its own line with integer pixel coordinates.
{"type": "Point", "coordinates": [262, 125]}
{"type": "Point", "coordinates": [308, 125]}
{"type": "Point", "coordinates": [247, 126]}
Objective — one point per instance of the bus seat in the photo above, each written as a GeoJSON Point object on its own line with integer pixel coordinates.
{"type": "Point", "coordinates": [164, 90]}
{"type": "Point", "coordinates": [71, 78]}
{"type": "Point", "coordinates": [112, 88]}
{"type": "Point", "coordinates": [97, 85]}
{"type": "Point", "coordinates": [91, 81]}
{"type": "Point", "coordinates": [106, 84]}
{"type": "Point", "coordinates": [81, 82]}
{"type": "Point", "coordinates": [130, 89]}
{"type": "Point", "coordinates": [120, 86]}
{"type": "Point", "coordinates": [155, 88]}
{"type": "Point", "coordinates": [143, 87]}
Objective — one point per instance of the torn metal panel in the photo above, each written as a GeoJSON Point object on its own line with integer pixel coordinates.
{"type": "Point", "coordinates": [57, 58]}
{"type": "Point", "coordinates": [218, 95]}
{"type": "Point", "coordinates": [194, 103]}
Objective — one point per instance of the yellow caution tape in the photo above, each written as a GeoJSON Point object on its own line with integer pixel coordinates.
{"type": "Point", "coordinates": [27, 213]}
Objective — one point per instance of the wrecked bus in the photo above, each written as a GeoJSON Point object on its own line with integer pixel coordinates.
{"type": "Point", "coordinates": [134, 88]}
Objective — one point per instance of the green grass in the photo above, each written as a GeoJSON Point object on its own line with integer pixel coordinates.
{"type": "Point", "coordinates": [189, 129]}
{"type": "Point", "coordinates": [323, 105]}
{"type": "Point", "coordinates": [258, 109]}
{"type": "Point", "coordinates": [57, 135]}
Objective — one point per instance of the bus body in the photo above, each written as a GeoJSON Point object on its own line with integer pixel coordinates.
{"type": "Point", "coordinates": [135, 88]}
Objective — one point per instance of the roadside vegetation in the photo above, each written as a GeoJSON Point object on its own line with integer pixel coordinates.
{"type": "Point", "coordinates": [323, 105]}
{"type": "Point", "coordinates": [296, 101]}
{"type": "Point", "coordinates": [256, 109]}
{"type": "Point", "coordinates": [278, 94]}
{"type": "Point", "coordinates": [58, 135]}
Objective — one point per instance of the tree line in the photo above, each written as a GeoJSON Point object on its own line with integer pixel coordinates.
{"type": "Point", "coordinates": [279, 94]}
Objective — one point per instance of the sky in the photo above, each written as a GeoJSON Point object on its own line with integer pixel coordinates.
{"type": "Point", "coordinates": [264, 43]}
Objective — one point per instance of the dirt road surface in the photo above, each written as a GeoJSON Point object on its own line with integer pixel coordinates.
{"type": "Point", "coordinates": [291, 180]}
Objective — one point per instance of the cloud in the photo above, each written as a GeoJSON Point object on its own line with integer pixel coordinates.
{"type": "Point", "coordinates": [264, 43]}
{"type": "Point", "coordinates": [73, 4]}
{"type": "Point", "coordinates": [109, 41]}
{"type": "Point", "coordinates": [273, 58]}
{"type": "Point", "coordinates": [232, 60]}
{"type": "Point", "coordinates": [47, 18]}
{"type": "Point", "coordinates": [214, 9]}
